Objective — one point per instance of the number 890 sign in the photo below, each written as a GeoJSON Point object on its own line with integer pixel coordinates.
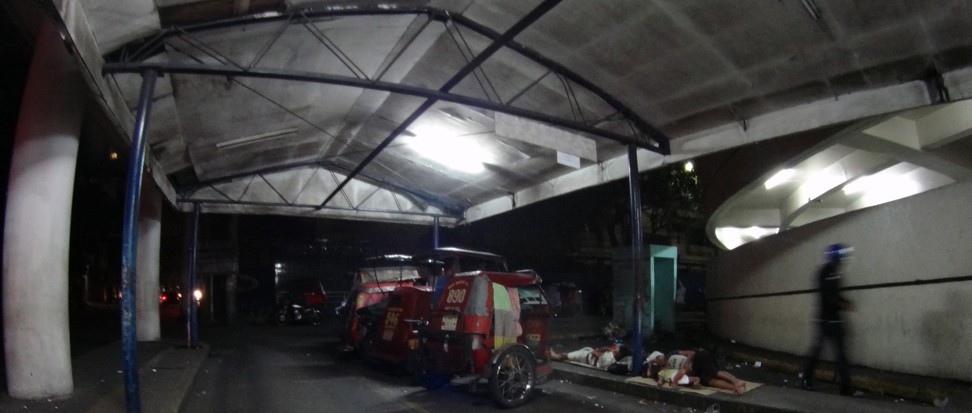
{"type": "Point", "coordinates": [456, 296]}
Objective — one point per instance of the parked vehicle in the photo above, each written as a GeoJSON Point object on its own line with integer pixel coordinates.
{"type": "Point", "coordinates": [485, 326]}
{"type": "Point", "coordinates": [385, 333]}
{"type": "Point", "coordinates": [565, 298]}
{"type": "Point", "coordinates": [300, 302]}
{"type": "Point", "coordinates": [374, 282]}
{"type": "Point", "coordinates": [404, 290]}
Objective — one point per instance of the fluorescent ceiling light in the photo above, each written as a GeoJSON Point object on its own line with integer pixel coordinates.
{"type": "Point", "coordinates": [461, 153]}
{"type": "Point", "coordinates": [779, 178]}
{"type": "Point", "coordinates": [246, 140]}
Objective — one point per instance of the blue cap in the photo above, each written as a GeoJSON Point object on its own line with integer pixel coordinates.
{"type": "Point", "coordinates": [836, 252]}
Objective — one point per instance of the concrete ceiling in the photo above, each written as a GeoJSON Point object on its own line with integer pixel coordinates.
{"type": "Point", "coordinates": [325, 108]}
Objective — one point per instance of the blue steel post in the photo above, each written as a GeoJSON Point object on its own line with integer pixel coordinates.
{"type": "Point", "coordinates": [634, 183]}
{"type": "Point", "coordinates": [133, 191]}
{"type": "Point", "coordinates": [435, 233]}
{"type": "Point", "coordinates": [192, 322]}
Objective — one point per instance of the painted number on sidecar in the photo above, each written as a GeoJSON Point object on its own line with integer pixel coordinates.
{"type": "Point", "coordinates": [456, 296]}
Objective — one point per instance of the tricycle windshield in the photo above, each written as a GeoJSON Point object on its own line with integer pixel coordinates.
{"type": "Point", "coordinates": [377, 275]}
{"type": "Point", "coordinates": [531, 295]}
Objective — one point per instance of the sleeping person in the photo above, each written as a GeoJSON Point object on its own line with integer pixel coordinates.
{"type": "Point", "coordinates": [665, 374]}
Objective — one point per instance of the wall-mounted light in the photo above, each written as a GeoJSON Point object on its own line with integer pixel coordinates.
{"type": "Point", "coordinates": [859, 185]}
{"type": "Point", "coordinates": [823, 181]}
{"type": "Point", "coordinates": [262, 137]}
{"type": "Point", "coordinates": [732, 237]}
{"type": "Point", "coordinates": [882, 187]}
{"type": "Point", "coordinates": [779, 178]}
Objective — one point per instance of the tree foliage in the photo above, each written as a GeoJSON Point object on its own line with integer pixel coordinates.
{"type": "Point", "coordinates": [670, 201]}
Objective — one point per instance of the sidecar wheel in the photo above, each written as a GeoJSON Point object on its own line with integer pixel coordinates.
{"type": "Point", "coordinates": [513, 378]}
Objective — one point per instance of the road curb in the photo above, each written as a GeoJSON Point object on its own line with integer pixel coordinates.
{"type": "Point", "coordinates": [684, 399]}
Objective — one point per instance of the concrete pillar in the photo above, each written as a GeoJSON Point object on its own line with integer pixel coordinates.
{"type": "Point", "coordinates": [147, 324]}
{"type": "Point", "coordinates": [37, 224]}
{"type": "Point", "coordinates": [231, 299]}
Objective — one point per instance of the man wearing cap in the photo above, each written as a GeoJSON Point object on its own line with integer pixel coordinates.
{"type": "Point", "coordinates": [830, 325]}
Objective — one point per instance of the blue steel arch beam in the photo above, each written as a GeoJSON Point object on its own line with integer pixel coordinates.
{"type": "Point", "coordinates": [450, 208]}
{"type": "Point", "coordinates": [431, 94]}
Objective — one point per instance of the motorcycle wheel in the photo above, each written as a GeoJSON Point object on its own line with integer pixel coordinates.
{"type": "Point", "coordinates": [316, 317]}
{"type": "Point", "coordinates": [281, 317]}
{"type": "Point", "coordinates": [512, 379]}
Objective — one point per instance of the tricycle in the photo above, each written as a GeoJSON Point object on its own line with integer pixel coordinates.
{"type": "Point", "coordinates": [392, 288]}
{"type": "Point", "coordinates": [485, 327]}
{"type": "Point", "coordinates": [385, 336]}
{"type": "Point", "coordinates": [374, 282]}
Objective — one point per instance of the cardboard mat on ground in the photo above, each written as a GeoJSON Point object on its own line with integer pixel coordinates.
{"type": "Point", "coordinates": [705, 391]}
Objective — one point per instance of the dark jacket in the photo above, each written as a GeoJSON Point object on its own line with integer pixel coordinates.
{"type": "Point", "coordinates": [831, 302]}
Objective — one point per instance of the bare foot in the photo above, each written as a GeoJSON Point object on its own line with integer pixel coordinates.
{"type": "Point", "coordinates": [740, 388]}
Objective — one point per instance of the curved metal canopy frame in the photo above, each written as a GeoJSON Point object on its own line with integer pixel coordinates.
{"type": "Point", "coordinates": [132, 59]}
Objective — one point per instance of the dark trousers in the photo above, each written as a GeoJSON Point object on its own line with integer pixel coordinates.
{"type": "Point", "coordinates": [833, 332]}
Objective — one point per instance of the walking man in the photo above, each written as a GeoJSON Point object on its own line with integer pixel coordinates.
{"type": "Point", "coordinates": [830, 325]}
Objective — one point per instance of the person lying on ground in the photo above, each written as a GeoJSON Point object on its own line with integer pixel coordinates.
{"type": "Point", "coordinates": [663, 374]}
{"type": "Point", "coordinates": [601, 357]}
{"type": "Point", "coordinates": [702, 364]}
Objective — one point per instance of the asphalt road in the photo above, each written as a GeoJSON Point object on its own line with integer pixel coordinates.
{"type": "Point", "coordinates": [270, 369]}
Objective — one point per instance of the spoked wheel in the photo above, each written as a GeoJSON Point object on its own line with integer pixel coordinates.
{"type": "Point", "coordinates": [513, 377]}
{"type": "Point", "coordinates": [316, 317]}
{"type": "Point", "coordinates": [281, 316]}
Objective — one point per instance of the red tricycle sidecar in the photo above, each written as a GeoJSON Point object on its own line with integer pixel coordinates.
{"type": "Point", "coordinates": [488, 327]}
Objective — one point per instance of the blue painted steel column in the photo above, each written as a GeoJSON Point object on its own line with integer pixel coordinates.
{"type": "Point", "coordinates": [634, 184]}
{"type": "Point", "coordinates": [130, 242]}
{"type": "Point", "coordinates": [192, 330]}
{"type": "Point", "coordinates": [435, 233]}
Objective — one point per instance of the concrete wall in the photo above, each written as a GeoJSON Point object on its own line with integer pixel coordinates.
{"type": "Point", "coordinates": [760, 294]}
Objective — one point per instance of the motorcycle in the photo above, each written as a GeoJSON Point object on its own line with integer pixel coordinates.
{"type": "Point", "coordinates": [293, 313]}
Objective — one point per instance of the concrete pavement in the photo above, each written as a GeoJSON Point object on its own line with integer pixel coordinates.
{"type": "Point", "coordinates": [168, 370]}
{"type": "Point", "coordinates": [766, 398]}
